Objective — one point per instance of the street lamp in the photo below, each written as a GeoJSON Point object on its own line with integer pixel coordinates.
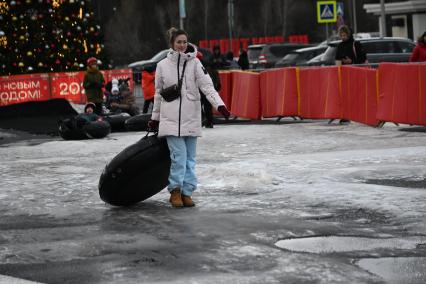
{"type": "Point", "coordinates": [230, 20]}
{"type": "Point", "coordinates": [182, 13]}
{"type": "Point", "coordinates": [383, 18]}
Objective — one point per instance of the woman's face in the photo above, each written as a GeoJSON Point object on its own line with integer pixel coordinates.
{"type": "Point", "coordinates": [344, 36]}
{"type": "Point", "coordinates": [181, 43]}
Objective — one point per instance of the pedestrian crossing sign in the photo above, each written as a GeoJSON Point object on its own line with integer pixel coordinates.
{"type": "Point", "coordinates": [326, 11]}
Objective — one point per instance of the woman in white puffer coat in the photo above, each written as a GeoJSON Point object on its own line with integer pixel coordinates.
{"type": "Point", "coordinates": [180, 120]}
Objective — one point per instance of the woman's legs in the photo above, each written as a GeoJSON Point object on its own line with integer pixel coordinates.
{"type": "Point", "coordinates": [190, 180]}
{"type": "Point", "coordinates": [182, 169]}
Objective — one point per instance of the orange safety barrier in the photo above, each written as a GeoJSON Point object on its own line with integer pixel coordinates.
{"type": "Point", "coordinates": [278, 91]}
{"type": "Point", "coordinates": [246, 94]}
{"type": "Point", "coordinates": [402, 93]}
{"type": "Point", "coordinates": [24, 88]}
{"type": "Point", "coordinates": [359, 94]}
{"type": "Point", "coordinates": [319, 96]}
{"type": "Point", "coordinates": [226, 87]}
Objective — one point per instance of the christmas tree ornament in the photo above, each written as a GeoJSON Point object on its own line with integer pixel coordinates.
{"type": "Point", "coordinates": [29, 54]}
{"type": "Point", "coordinates": [12, 3]}
{"type": "Point", "coordinates": [30, 68]}
{"type": "Point", "coordinates": [21, 64]}
{"type": "Point", "coordinates": [58, 61]}
{"type": "Point", "coordinates": [4, 8]}
{"type": "Point", "coordinates": [40, 64]}
{"type": "Point", "coordinates": [81, 65]}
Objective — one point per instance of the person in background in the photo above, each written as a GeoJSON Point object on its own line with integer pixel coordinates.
{"type": "Point", "coordinates": [148, 87]}
{"type": "Point", "coordinates": [230, 62]}
{"type": "Point", "coordinates": [243, 60]}
{"type": "Point", "coordinates": [88, 116]}
{"type": "Point", "coordinates": [419, 52]}
{"type": "Point", "coordinates": [179, 118]}
{"type": "Point", "coordinates": [93, 83]}
{"type": "Point", "coordinates": [218, 60]}
{"type": "Point", "coordinates": [112, 95]}
{"type": "Point", "coordinates": [127, 102]}
{"type": "Point", "coordinates": [349, 51]}
{"type": "Point", "coordinates": [206, 107]}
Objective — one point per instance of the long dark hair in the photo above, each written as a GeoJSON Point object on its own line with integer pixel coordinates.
{"type": "Point", "coordinates": [421, 39]}
{"type": "Point", "coordinates": [173, 33]}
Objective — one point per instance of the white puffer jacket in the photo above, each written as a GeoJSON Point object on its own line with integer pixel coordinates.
{"type": "Point", "coordinates": [182, 117]}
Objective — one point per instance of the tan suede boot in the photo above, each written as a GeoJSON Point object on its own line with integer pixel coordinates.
{"type": "Point", "coordinates": [176, 198]}
{"type": "Point", "coordinates": [187, 201]}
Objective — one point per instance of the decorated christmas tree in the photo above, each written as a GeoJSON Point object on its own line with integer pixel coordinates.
{"type": "Point", "coordinates": [48, 36]}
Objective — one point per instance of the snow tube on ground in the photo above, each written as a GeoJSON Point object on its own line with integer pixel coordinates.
{"type": "Point", "coordinates": [136, 173]}
{"type": "Point", "coordinates": [117, 121]}
{"type": "Point", "coordinates": [69, 130]}
{"type": "Point", "coordinates": [36, 117]}
{"type": "Point", "coordinates": [138, 122]}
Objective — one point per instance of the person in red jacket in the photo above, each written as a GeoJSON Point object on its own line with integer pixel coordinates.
{"type": "Point", "coordinates": [148, 88]}
{"type": "Point", "coordinates": [419, 52]}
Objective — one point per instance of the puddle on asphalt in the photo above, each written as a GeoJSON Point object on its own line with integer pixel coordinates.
{"type": "Point", "coordinates": [397, 269]}
{"type": "Point", "coordinates": [333, 244]}
{"type": "Point", "coordinates": [408, 183]}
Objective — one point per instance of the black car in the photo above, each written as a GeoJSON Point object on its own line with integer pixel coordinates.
{"type": "Point", "coordinates": [301, 56]}
{"type": "Point", "coordinates": [271, 53]}
{"type": "Point", "coordinates": [378, 50]}
{"type": "Point", "coordinates": [149, 64]}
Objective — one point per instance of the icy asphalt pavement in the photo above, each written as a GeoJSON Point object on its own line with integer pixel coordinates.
{"type": "Point", "coordinates": [277, 203]}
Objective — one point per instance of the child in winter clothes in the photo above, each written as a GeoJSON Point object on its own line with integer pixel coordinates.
{"type": "Point", "coordinates": [93, 83]}
{"type": "Point", "coordinates": [88, 116]}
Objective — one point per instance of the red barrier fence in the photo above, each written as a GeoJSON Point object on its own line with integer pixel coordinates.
{"type": "Point", "coordinates": [402, 93]}
{"type": "Point", "coordinates": [245, 94]}
{"type": "Point", "coordinates": [226, 88]}
{"type": "Point", "coordinates": [279, 94]}
{"type": "Point", "coordinates": [359, 94]}
{"type": "Point", "coordinates": [319, 93]}
{"type": "Point", "coordinates": [42, 87]}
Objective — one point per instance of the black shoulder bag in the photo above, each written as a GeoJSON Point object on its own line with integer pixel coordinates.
{"type": "Point", "coordinates": [173, 92]}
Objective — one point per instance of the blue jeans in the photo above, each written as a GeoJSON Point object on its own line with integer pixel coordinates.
{"type": "Point", "coordinates": [182, 170]}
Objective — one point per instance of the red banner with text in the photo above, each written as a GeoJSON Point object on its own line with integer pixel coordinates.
{"type": "Point", "coordinates": [24, 88]}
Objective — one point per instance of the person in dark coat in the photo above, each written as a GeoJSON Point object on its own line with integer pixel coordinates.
{"type": "Point", "coordinates": [218, 61]}
{"type": "Point", "coordinates": [419, 52]}
{"type": "Point", "coordinates": [206, 107]}
{"type": "Point", "coordinates": [243, 60]}
{"type": "Point", "coordinates": [88, 116]}
{"type": "Point", "coordinates": [349, 51]}
{"type": "Point", "coordinates": [93, 83]}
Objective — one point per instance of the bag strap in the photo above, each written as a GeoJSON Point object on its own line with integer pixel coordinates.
{"type": "Point", "coordinates": [180, 79]}
{"type": "Point", "coordinates": [183, 74]}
